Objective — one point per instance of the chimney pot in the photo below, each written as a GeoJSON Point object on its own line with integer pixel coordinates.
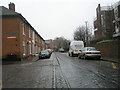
{"type": "Point", "coordinates": [12, 6]}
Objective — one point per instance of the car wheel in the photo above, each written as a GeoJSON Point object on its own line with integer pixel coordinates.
{"type": "Point", "coordinates": [39, 57]}
{"type": "Point", "coordinates": [84, 57]}
{"type": "Point", "coordinates": [72, 54]}
{"type": "Point", "coordinates": [48, 57]}
{"type": "Point", "coordinates": [68, 54]}
{"type": "Point", "coordinates": [98, 58]}
{"type": "Point", "coordinates": [79, 56]}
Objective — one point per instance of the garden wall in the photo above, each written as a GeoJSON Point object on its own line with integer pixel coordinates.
{"type": "Point", "coordinates": [110, 49]}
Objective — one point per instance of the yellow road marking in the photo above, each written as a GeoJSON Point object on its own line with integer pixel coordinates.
{"type": "Point", "coordinates": [0, 84]}
{"type": "Point", "coordinates": [114, 66]}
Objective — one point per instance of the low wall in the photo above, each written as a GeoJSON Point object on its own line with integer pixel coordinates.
{"type": "Point", "coordinates": [109, 49]}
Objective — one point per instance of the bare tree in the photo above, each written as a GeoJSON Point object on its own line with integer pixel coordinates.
{"type": "Point", "coordinates": [83, 33]}
{"type": "Point", "coordinates": [79, 33]}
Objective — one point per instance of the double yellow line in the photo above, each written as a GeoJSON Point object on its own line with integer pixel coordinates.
{"type": "Point", "coordinates": [114, 66]}
{"type": "Point", "coordinates": [0, 84]}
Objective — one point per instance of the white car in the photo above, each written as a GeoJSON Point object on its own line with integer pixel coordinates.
{"type": "Point", "coordinates": [61, 50]}
{"type": "Point", "coordinates": [89, 52]}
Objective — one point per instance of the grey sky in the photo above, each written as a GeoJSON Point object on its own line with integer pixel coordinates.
{"type": "Point", "coordinates": [55, 18]}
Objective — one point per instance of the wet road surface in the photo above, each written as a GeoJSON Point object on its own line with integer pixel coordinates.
{"type": "Point", "coordinates": [61, 71]}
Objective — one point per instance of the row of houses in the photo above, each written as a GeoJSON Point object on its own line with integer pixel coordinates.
{"type": "Point", "coordinates": [107, 22]}
{"type": "Point", "coordinates": [19, 38]}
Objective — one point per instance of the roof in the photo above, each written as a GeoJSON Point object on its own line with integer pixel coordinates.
{"type": "Point", "coordinates": [48, 41]}
{"type": "Point", "coordinates": [76, 42]}
{"type": "Point", "coordinates": [106, 8]}
{"type": "Point", "coordinates": [7, 12]}
{"type": "Point", "coordinates": [116, 4]}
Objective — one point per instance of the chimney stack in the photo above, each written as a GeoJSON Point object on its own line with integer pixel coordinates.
{"type": "Point", "coordinates": [12, 6]}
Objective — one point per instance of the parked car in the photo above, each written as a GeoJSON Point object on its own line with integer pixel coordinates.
{"type": "Point", "coordinates": [44, 54]}
{"type": "Point", "coordinates": [89, 52]}
{"type": "Point", "coordinates": [50, 51]}
{"type": "Point", "coordinates": [61, 50]}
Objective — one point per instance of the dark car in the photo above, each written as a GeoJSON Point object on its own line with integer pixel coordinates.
{"type": "Point", "coordinates": [50, 51]}
{"type": "Point", "coordinates": [89, 52]}
{"type": "Point", "coordinates": [44, 54]}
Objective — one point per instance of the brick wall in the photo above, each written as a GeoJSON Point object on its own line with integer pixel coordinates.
{"type": "Point", "coordinates": [14, 41]}
{"type": "Point", "coordinates": [10, 36]}
{"type": "Point", "coordinates": [0, 46]}
{"type": "Point", "coordinates": [109, 50]}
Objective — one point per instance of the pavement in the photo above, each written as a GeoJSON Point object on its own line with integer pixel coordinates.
{"type": "Point", "coordinates": [35, 58]}
{"type": "Point", "coordinates": [32, 59]}
{"type": "Point", "coordinates": [111, 60]}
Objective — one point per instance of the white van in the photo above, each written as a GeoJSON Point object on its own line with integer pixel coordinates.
{"type": "Point", "coordinates": [75, 47]}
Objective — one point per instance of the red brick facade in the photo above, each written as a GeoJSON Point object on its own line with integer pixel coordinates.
{"type": "Point", "coordinates": [19, 37]}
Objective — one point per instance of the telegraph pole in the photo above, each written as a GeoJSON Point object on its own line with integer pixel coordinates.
{"type": "Point", "coordinates": [86, 33]}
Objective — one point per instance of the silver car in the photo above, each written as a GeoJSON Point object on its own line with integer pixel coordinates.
{"type": "Point", "coordinates": [89, 52]}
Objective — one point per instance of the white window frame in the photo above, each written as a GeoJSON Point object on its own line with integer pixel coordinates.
{"type": "Point", "coordinates": [24, 49]}
{"type": "Point", "coordinates": [33, 36]}
{"type": "Point", "coordinates": [30, 48]}
{"type": "Point", "coordinates": [23, 28]}
{"type": "Point", "coordinates": [29, 29]}
{"type": "Point", "coordinates": [36, 49]}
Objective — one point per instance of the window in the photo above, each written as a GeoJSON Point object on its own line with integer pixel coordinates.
{"type": "Point", "coordinates": [30, 48]}
{"type": "Point", "coordinates": [29, 31]}
{"type": "Point", "coordinates": [91, 49]}
{"type": "Point", "coordinates": [24, 48]}
{"type": "Point", "coordinates": [118, 11]}
{"type": "Point", "coordinates": [33, 38]}
{"type": "Point", "coordinates": [36, 49]}
{"type": "Point", "coordinates": [23, 29]}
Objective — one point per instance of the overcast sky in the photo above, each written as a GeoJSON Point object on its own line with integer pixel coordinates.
{"type": "Point", "coordinates": [56, 18]}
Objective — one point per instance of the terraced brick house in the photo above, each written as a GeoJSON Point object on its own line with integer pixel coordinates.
{"type": "Point", "coordinates": [19, 38]}
{"type": "Point", "coordinates": [116, 21]}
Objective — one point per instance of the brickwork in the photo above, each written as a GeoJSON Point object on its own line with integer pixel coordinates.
{"type": "Point", "coordinates": [19, 37]}
{"type": "Point", "coordinates": [109, 50]}
{"type": "Point", "coordinates": [11, 36]}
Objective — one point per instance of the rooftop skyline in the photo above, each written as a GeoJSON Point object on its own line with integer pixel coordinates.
{"type": "Point", "coordinates": [56, 18]}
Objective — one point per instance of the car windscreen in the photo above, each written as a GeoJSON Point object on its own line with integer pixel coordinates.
{"type": "Point", "coordinates": [77, 46]}
{"type": "Point", "coordinates": [91, 49]}
{"type": "Point", "coordinates": [44, 52]}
